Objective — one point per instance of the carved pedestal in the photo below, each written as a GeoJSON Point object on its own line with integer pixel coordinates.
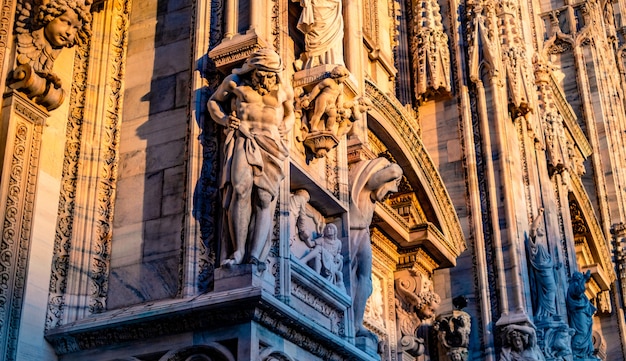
{"type": "Point", "coordinates": [20, 142]}
{"type": "Point", "coordinates": [320, 143]}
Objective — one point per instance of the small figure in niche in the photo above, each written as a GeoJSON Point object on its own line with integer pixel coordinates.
{"type": "Point", "coordinates": [326, 251]}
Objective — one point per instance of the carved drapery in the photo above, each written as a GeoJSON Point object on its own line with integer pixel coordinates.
{"type": "Point", "coordinates": [431, 56]}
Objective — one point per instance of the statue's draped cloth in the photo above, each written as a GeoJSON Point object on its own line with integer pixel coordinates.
{"type": "Point", "coordinates": [321, 22]}
{"type": "Point", "coordinates": [263, 150]}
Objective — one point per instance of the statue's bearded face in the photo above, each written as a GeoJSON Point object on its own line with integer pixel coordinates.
{"type": "Point", "coordinates": [61, 31]}
{"type": "Point", "coordinates": [263, 81]}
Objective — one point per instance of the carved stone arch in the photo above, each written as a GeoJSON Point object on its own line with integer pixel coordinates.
{"type": "Point", "coordinates": [558, 43]}
{"type": "Point", "coordinates": [585, 37]}
{"type": "Point", "coordinates": [592, 253]}
{"type": "Point", "coordinates": [398, 129]}
{"type": "Point", "coordinates": [273, 355]}
{"type": "Point", "coordinates": [209, 352]}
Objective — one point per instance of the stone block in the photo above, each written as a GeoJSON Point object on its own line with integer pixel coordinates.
{"type": "Point", "coordinates": [165, 156]}
{"type": "Point", "coordinates": [162, 94]}
{"type": "Point", "coordinates": [367, 344]}
{"type": "Point", "coordinates": [152, 130]}
{"type": "Point", "coordinates": [162, 235]}
{"type": "Point", "coordinates": [237, 276]}
{"type": "Point", "coordinates": [172, 58]}
{"type": "Point", "coordinates": [154, 280]}
{"type": "Point", "coordinates": [138, 198]}
{"type": "Point", "coordinates": [135, 96]}
{"type": "Point", "coordinates": [173, 26]}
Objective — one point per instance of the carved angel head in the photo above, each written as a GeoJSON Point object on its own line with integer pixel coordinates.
{"type": "Point", "coordinates": [64, 21]}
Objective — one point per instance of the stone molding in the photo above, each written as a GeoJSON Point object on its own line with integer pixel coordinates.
{"type": "Point", "coordinates": [22, 129]}
{"type": "Point", "coordinates": [163, 318]}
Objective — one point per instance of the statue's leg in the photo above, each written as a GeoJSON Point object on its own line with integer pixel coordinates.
{"type": "Point", "coordinates": [264, 213]}
{"type": "Point", "coordinates": [316, 116]}
{"type": "Point", "coordinates": [240, 210]}
{"type": "Point", "coordinates": [362, 288]}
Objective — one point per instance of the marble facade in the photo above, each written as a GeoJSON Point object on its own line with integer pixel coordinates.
{"type": "Point", "coordinates": [428, 180]}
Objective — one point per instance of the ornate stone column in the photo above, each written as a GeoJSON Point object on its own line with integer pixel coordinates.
{"type": "Point", "coordinates": [20, 143]}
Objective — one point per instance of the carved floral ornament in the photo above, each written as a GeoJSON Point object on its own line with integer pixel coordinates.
{"type": "Point", "coordinates": [42, 29]}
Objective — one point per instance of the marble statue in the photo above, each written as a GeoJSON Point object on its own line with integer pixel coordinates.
{"type": "Point", "coordinates": [321, 22]}
{"type": "Point", "coordinates": [370, 181]}
{"type": "Point", "coordinates": [580, 312]}
{"type": "Point", "coordinates": [520, 344]}
{"type": "Point", "coordinates": [305, 223]}
{"type": "Point", "coordinates": [327, 99]}
{"type": "Point", "coordinates": [326, 253]}
{"type": "Point", "coordinates": [543, 267]}
{"type": "Point", "coordinates": [255, 107]}
{"type": "Point", "coordinates": [43, 30]}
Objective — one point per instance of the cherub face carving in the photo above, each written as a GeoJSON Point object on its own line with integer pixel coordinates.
{"type": "Point", "coordinates": [61, 31]}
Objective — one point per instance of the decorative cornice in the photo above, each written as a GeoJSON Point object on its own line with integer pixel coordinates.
{"type": "Point", "coordinates": [385, 249]}
{"type": "Point", "coordinates": [202, 313]}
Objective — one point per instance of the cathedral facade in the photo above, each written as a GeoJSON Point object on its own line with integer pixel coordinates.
{"type": "Point", "coordinates": [313, 180]}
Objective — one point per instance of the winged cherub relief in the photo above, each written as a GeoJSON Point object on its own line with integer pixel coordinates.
{"type": "Point", "coordinates": [43, 28]}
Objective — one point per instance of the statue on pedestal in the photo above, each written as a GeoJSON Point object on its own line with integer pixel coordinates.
{"type": "Point", "coordinates": [370, 181]}
{"type": "Point", "coordinates": [43, 29]}
{"type": "Point", "coordinates": [255, 107]}
{"type": "Point", "coordinates": [321, 22]}
{"type": "Point", "coordinates": [580, 312]}
{"type": "Point", "coordinates": [543, 267]}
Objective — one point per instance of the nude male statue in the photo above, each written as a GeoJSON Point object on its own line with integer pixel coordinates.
{"type": "Point", "coordinates": [326, 251]}
{"type": "Point", "coordinates": [256, 108]}
{"type": "Point", "coordinates": [370, 181]}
